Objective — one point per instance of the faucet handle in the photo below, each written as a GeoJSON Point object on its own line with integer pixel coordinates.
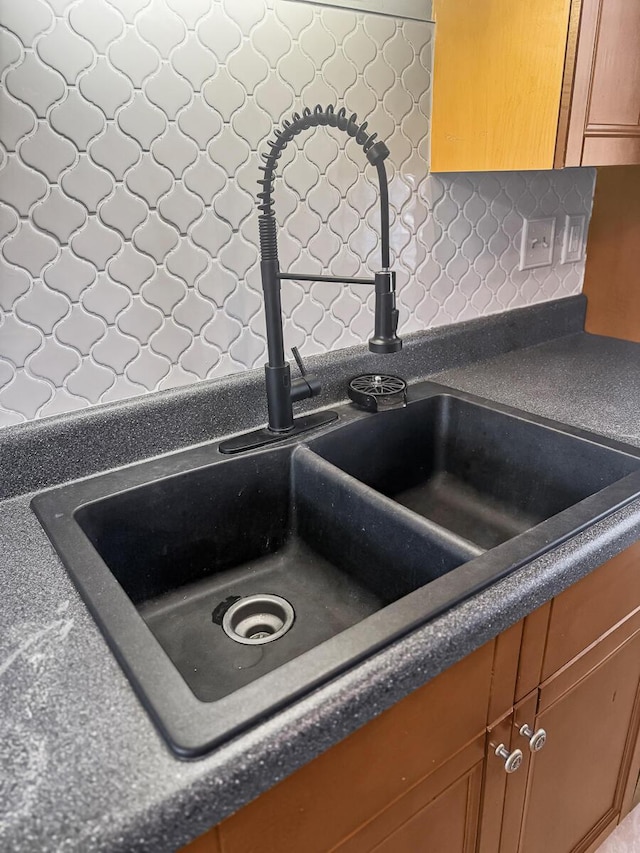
{"type": "Point", "coordinates": [299, 361]}
{"type": "Point", "coordinates": [306, 385]}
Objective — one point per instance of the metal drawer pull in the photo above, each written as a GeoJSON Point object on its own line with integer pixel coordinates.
{"type": "Point", "coordinates": [536, 739]}
{"type": "Point", "coordinates": [512, 760]}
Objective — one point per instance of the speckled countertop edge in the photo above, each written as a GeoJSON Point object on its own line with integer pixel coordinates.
{"type": "Point", "coordinates": [91, 772]}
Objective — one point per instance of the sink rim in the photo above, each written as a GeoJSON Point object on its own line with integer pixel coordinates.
{"type": "Point", "coordinates": [193, 727]}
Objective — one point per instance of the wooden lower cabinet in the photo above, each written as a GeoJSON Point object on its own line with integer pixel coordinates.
{"type": "Point", "coordinates": [577, 783]}
{"type": "Point", "coordinates": [440, 815]}
{"type": "Point", "coordinates": [424, 777]}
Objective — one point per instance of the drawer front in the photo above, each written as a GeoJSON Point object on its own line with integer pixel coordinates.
{"type": "Point", "coordinates": [586, 611]}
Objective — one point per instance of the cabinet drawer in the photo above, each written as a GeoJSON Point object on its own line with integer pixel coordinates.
{"type": "Point", "coordinates": [584, 612]}
{"type": "Point", "coordinates": [329, 799]}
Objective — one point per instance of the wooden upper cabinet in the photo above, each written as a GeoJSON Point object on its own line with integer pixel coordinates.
{"type": "Point", "coordinates": [604, 125]}
{"type": "Point", "coordinates": [498, 69]}
{"type": "Point", "coordinates": [535, 84]}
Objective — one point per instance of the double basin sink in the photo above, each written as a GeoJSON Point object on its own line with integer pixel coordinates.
{"type": "Point", "coordinates": [229, 586]}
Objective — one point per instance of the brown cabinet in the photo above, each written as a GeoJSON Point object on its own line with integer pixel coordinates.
{"type": "Point", "coordinates": [425, 775]}
{"type": "Point", "coordinates": [535, 85]}
{"type": "Point", "coordinates": [604, 118]}
{"type": "Point", "coordinates": [570, 794]}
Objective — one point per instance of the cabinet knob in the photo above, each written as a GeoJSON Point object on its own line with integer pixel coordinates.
{"type": "Point", "coordinates": [512, 760]}
{"type": "Point", "coordinates": [536, 739]}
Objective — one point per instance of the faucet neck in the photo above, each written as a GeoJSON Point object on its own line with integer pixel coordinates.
{"type": "Point", "coordinates": [376, 151]}
{"type": "Point", "coordinates": [281, 392]}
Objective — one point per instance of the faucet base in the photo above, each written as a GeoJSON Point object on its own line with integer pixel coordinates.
{"type": "Point", "coordinates": [263, 436]}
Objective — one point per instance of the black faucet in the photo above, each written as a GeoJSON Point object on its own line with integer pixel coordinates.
{"type": "Point", "coordinates": [282, 393]}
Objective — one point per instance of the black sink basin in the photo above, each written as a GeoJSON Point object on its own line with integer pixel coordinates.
{"type": "Point", "coordinates": [185, 546]}
{"type": "Point", "coordinates": [481, 472]}
{"type": "Point", "coordinates": [349, 541]}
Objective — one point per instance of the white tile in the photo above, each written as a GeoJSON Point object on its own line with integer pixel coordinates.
{"type": "Point", "coordinates": [59, 215]}
{"type": "Point", "coordinates": [54, 362]}
{"type": "Point", "coordinates": [18, 340]}
{"type": "Point", "coordinates": [80, 329]}
{"type": "Point", "coordinates": [15, 283]}
{"type": "Point", "coordinates": [20, 186]}
{"type": "Point", "coordinates": [65, 51]}
{"type": "Point", "coordinates": [134, 57]}
{"type": "Point", "coordinates": [96, 243]}
{"type": "Point", "coordinates": [87, 183]}
{"type": "Point", "coordinates": [155, 237]}
{"type": "Point", "coordinates": [224, 94]}
{"type": "Point", "coordinates": [25, 394]}
{"type": "Point", "coordinates": [193, 312]}
{"type": "Point", "coordinates": [131, 268]}
{"type": "Point", "coordinates": [123, 212]}
{"type": "Point", "coordinates": [191, 11]}
{"type": "Point", "coordinates": [219, 33]}
{"type": "Point", "coordinates": [17, 121]}
{"type": "Point", "coordinates": [164, 291]}
{"type": "Point", "coordinates": [200, 358]}
{"type": "Point", "coordinates": [115, 350]}
{"type": "Point", "coordinates": [168, 91]}
{"type": "Point", "coordinates": [106, 299]}
{"type": "Point", "coordinates": [34, 83]}
{"type": "Point", "coordinates": [187, 262]}
{"type": "Point", "coordinates": [26, 19]}
{"type": "Point", "coordinates": [48, 152]}
{"type": "Point", "coordinates": [148, 369]}
{"type": "Point", "coordinates": [97, 22]}
{"type": "Point", "coordinates": [181, 207]}
{"type": "Point", "coordinates": [90, 381]}
{"type": "Point", "coordinates": [42, 307]}
{"type": "Point", "coordinates": [128, 8]}
{"type": "Point", "coordinates": [115, 151]}
{"type": "Point", "coordinates": [171, 340]}
{"type": "Point", "coordinates": [77, 119]}
{"type": "Point", "coordinates": [30, 249]}
{"type": "Point", "coordinates": [149, 180]}
{"type": "Point", "coordinates": [199, 122]}
{"type": "Point", "coordinates": [142, 121]}
{"type": "Point", "coordinates": [160, 27]}
{"type": "Point", "coordinates": [105, 87]}
{"type": "Point", "coordinates": [11, 49]}
{"type": "Point", "coordinates": [193, 61]}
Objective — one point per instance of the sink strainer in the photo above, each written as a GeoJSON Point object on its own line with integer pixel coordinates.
{"type": "Point", "coordinates": [258, 619]}
{"type": "Point", "coordinates": [376, 392]}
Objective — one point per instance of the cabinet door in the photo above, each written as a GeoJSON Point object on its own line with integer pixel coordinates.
{"type": "Point", "coordinates": [344, 789]}
{"type": "Point", "coordinates": [498, 73]}
{"type": "Point", "coordinates": [604, 127]}
{"type": "Point", "coordinates": [590, 711]}
{"type": "Point", "coordinates": [439, 815]}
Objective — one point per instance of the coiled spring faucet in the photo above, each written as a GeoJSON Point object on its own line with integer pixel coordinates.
{"type": "Point", "coordinates": [281, 391]}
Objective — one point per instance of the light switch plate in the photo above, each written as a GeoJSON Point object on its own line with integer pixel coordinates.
{"type": "Point", "coordinates": [536, 247]}
{"type": "Point", "coordinates": [573, 242]}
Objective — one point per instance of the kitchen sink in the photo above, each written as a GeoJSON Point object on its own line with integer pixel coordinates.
{"type": "Point", "coordinates": [229, 586]}
{"type": "Point", "coordinates": [184, 546]}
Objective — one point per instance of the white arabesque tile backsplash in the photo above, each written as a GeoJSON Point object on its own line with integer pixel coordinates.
{"type": "Point", "coordinates": [129, 132]}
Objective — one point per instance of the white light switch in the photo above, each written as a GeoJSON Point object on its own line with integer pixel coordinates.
{"type": "Point", "coordinates": [573, 243]}
{"type": "Point", "coordinates": [536, 248]}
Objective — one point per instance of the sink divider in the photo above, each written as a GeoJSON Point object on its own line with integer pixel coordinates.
{"type": "Point", "coordinates": [389, 548]}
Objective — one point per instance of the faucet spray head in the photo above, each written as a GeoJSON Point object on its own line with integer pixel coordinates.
{"type": "Point", "coordinates": [385, 339]}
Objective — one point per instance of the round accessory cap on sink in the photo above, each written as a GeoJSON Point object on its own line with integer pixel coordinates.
{"type": "Point", "coordinates": [258, 619]}
{"type": "Point", "coordinates": [375, 392]}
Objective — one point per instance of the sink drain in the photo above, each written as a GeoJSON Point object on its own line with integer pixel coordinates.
{"type": "Point", "coordinates": [258, 619]}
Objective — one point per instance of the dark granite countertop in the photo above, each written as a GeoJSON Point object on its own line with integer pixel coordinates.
{"type": "Point", "coordinates": [82, 767]}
